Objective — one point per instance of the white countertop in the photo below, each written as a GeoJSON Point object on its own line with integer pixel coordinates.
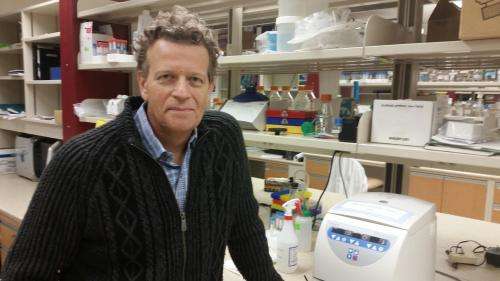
{"type": "Point", "coordinates": [15, 194]}
{"type": "Point", "coordinates": [450, 230]}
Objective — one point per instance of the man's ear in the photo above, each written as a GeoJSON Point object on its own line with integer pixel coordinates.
{"type": "Point", "coordinates": [211, 87]}
{"type": "Point", "coordinates": [141, 82]}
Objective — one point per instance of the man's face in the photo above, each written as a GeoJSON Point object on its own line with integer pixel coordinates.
{"type": "Point", "coordinates": [177, 85]}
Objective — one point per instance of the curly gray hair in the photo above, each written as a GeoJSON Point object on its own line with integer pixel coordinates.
{"type": "Point", "coordinates": [177, 25]}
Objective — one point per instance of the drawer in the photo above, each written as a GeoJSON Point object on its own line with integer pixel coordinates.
{"type": "Point", "coordinates": [496, 199]}
{"type": "Point", "coordinates": [7, 236]}
{"type": "Point", "coordinates": [276, 171]}
{"type": "Point", "coordinates": [495, 216]}
{"type": "Point", "coordinates": [9, 220]}
{"type": "Point", "coordinates": [317, 167]}
{"type": "Point", "coordinates": [317, 182]}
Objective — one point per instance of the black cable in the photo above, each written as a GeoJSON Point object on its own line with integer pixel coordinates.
{"type": "Point", "coordinates": [306, 278]}
{"type": "Point", "coordinates": [342, 176]}
{"type": "Point", "coordinates": [324, 189]}
{"type": "Point", "coordinates": [448, 275]}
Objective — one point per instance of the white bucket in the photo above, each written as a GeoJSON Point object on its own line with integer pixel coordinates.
{"type": "Point", "coordinates": [286, 31]}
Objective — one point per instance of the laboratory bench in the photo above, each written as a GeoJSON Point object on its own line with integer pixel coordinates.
{"type": "Point", "coordinates": [16, 193]}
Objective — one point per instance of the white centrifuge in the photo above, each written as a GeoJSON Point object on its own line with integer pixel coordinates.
{"type": "Point", "coordinates": [377, 237]}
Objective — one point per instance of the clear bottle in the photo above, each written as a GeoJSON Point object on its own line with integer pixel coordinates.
{"type": "Point", "coordinates": [324, 122]}
{"type": "Point", "coordinates": [286, 96]}
{"type": "Point", "coordinates": [287, 242]}
{"type": "Point", "coordinates": [302, 101]}
{"type": "Point", "coordinates": [275, 100]}
{"type": "Point", "coordinates": [315, 102]}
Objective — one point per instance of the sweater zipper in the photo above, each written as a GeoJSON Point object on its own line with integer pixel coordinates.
{"type": "Point", "coordinates": [182, 216]}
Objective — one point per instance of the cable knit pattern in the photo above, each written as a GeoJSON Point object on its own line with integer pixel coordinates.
{"type": "Point", "coordinates": [104, 210]}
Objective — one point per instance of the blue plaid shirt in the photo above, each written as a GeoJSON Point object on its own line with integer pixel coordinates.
{"type": "Point", "coordinates": [177, 175]}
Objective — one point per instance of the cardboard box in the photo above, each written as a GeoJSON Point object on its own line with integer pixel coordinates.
{"type": "Point", "coordinates": [403, 122]}
{"type": "Point", "coordinates": [444, 22]}
{"type": "Point", "coordinates": [480, 19]}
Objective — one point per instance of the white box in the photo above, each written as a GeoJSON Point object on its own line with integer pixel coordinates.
{"type": "Point", "coordinates": [250, 115]}
{"type": "Point", "coordinates": [88, 40]}
{"type": "Point", "coordinates": [7, 161]}
{"type": "Point", "coordinates": [404, 122]}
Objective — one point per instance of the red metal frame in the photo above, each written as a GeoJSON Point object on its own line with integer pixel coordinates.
{"type": "Point", "coordinates": [79, 85]}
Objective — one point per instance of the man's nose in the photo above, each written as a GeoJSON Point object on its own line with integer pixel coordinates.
{"type": "Point", "coordinates": [181, 90]}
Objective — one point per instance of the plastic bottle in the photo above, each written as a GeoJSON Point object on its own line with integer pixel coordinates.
{"type": "Point", "coordinates": [303, 230]}
{"type": "Point", "coordinates": [286, 97]}
{"type": "Point", "coordinates": [302, 101]}
{"type": "Point", "coordinates": [275, 100]}
{"type": "Point", "coordinates": [315, 103]}
{"type": "Point", "coordinates": [287, 242]}
{"type": "Point", "coordinates": [324, 122]}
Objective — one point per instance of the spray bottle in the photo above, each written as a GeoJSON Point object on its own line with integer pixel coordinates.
{"type": "Point", "coordinates": [287, 242]}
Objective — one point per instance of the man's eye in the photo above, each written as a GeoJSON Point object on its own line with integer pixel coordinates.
{"type": "Point", "coordinates": [166, 77]}
{"type": "Point", "coordinates": [196, 81]}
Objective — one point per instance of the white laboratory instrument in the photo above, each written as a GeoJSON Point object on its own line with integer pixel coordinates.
{"type": "Point", "coordinates": [377, 237]}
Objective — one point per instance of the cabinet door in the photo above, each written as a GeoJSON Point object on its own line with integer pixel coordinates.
{"type": "Point", "coordinates": [466, 198]}
{"type": "Point", "coordinates": [276, 170]}
{"type": "Point", "coordinates": [427, 187]}
{"type": "Point", "coordinates": [7, 236]}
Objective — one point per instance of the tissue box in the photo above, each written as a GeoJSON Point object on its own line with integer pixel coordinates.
{"type": "Point", "coordinates": [403, 122]}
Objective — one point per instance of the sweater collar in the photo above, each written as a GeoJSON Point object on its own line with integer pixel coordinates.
{"type": "Point", "coordinates": [129, 130]}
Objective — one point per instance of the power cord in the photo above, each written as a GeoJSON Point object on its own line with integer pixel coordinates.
{"type": "Point", "coordinates": [342, 176]}
{"type": "Point", "coordinates": [448, 275]}
{"type": "Point", "coordinates": [458, 249]}
{"type": "Point", "coordinates": [324, 189]}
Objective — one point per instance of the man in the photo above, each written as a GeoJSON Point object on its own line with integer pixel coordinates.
{"type": "Point", "coordinates": [156, 194]}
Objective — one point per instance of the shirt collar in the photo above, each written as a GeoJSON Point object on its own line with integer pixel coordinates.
{"type": "Point", "coordinates": [149, 139]}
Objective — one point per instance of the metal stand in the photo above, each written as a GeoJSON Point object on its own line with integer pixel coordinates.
{"type": "Point", "coordinates": [405, 78]}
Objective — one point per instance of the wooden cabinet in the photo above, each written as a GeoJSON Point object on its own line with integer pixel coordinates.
{"type": "Point", "coordinates": [461, 196]}
{"type": "Point", "coordinates": [464, 198]}
{"type": "Point", "coordinates": [428, 188]}
{"type": "Point", "coordinates": [8, 230]}
{"type": "Point", "coordinates": [274, 170]}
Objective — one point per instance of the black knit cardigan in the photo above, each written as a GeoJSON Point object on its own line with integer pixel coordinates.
{"type": "Point", "coordinates": [104, 210]}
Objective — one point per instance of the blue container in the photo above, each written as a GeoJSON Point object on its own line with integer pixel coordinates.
{"type": "Point", "coordinates": [55, 73]}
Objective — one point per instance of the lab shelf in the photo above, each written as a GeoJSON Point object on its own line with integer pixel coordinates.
{"type": "Point", "coordinates": [127, 12]}
{"type": "Point", "coordinates": [45, 128]}
{"type": "Point", "coordinates": [443, 55]}
{"type": "Point", "coordinates": [296, 143]}
{"type": "Point", "coordinates": [95, 119]}
{"type": "Point", "coordinates": [270, 158]}
{"type": "Point", "coordinates": [440, 55]}
{"type": "Point", "coordinates": [48, 8]}
{"type": "Point", "coordinates": [431, 158]}
{"type": "Point", "coordinates": [43, 82]}
{"type": "Point", "coordinates": [52, 38]}
{"type": "Point", "coordinates": [11, 78]}
{"type": "Point", "coordinates": [11, 50]}
{"type": "Point", "coordinates": [108, 66]}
